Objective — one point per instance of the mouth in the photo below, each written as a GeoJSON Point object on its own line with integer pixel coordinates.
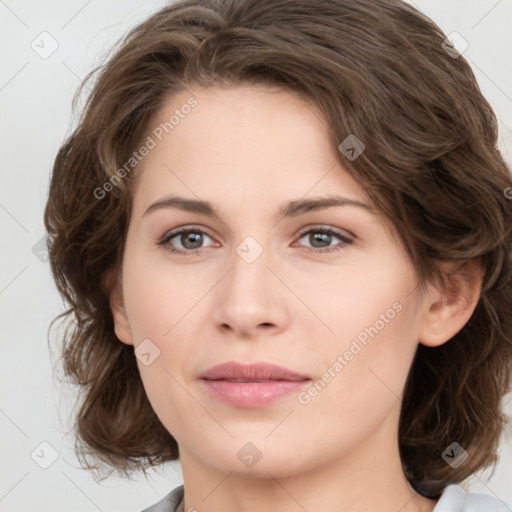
{"type": "Point", "coordinates": [255, 372]}
{"type": "Point", "coordinates": [251, 386]}
{"type": "Point", "coordinates": [252, 380]}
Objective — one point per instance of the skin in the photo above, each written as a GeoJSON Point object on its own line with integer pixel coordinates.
{"type": "Point", "coordinates": [248, 150]}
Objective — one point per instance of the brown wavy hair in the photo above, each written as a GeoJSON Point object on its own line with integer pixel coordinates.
{"type": "Point", "coordinates": [431, 165]}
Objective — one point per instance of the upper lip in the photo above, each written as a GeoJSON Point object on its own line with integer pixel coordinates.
{"type": "Point", "coordinates": [251, 372]}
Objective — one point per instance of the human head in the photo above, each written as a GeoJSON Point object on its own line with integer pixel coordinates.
{"type": "Point", "coordinates": [430, 165]}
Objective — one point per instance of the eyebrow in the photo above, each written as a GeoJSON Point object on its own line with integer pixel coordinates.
{"type": "Point", "coordinates": [290, 209]}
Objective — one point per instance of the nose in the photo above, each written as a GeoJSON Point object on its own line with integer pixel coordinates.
{"type": "Point", "coordinates": [251, 300]}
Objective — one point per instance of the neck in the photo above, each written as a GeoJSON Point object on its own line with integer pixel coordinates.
{"type": "Point", "coordinates": [367, 477]}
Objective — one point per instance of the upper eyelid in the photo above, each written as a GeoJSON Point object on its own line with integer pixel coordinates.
{"type": "Point", "coordinates": [321, 227]}
{"type": "Point", "coordinates": [198, 227]}
{"type": "Point", "coordinates": [177, 231]}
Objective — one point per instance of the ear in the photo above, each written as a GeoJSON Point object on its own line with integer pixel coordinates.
{"type": "Point", "coordinates": [447, 311]}
{"type": "Point", "coordinates": [121, 324]}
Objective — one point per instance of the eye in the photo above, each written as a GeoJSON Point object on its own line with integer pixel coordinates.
{"type": "Point", "coordinates": [190, 238]}
{"type": "Point", "coordinates": [321, 238]}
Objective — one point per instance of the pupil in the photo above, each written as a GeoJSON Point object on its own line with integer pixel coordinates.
{"type": "Point", "coordinates": [194, 238]}
{"type": "Point", "coordinates": [319, 237]}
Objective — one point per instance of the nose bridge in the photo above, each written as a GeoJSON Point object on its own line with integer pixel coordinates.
{"type": "Point", "coordinates": [250, 293]}
{"type": "Point", "coordinates": [249, 261]}
{"type": "Point", "coordinates": [250, 250]}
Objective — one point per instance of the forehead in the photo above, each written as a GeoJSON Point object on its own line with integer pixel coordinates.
{"type": "Point", "coordinates": [251, 141]}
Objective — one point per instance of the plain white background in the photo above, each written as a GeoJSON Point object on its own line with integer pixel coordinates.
{"type": "Point", "coordinates": [35, 102]}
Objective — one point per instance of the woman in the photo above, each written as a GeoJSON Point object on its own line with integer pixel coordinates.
{"type": "Point", "coordinates": [284, 233]}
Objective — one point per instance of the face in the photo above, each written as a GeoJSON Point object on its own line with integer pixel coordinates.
{"type": "Point", "coordinates": [259, 277]}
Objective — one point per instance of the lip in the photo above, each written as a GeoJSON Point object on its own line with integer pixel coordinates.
{"type": "Point", "coordinates": [251, 372]}
{"type": "Point", "coordinates": [251, 385]}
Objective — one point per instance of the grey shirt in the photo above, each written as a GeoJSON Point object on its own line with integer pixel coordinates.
{"type": "Point", "coordinates": [453, 499]}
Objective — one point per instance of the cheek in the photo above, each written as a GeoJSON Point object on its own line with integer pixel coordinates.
{"type": "Point", "coordinates": [158, 294]}
{"type": "Point", "coordinates": [371, 292]}
{"type": "Point", "coordinates": [359, 383]}
{"type": "Point", "coordinates": [157, 299]}
{"type": "Point", "coordinates": [374, 317]}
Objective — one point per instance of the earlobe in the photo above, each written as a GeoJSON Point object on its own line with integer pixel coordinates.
{"type": "Point", "coordinates": [121, 324]}
{"type": "Point", "coordinates": [447, 311]}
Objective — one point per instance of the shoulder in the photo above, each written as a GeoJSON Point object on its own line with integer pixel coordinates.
{"type": "Point", "coordinates": [455, 499]}
{"type": "Point", "coordinates": [168, 503]}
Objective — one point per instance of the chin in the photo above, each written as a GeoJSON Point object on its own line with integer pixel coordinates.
{"type": "Point", "coordinates": [257, 460]}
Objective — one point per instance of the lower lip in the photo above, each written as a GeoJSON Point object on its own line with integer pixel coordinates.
{"type": "Point", "coordinates": [252, 394]}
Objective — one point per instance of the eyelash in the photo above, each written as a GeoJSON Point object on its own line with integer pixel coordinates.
{"type": "Point", "coordinates": [164, 241]}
